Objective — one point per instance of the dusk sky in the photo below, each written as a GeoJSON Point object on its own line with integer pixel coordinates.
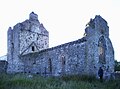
{"type": "Point", "coordinates": [64, 19]}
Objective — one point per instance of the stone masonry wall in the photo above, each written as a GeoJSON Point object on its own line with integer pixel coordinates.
{"type": "Point", "coordinates": [3, 66]}
{"type": "Point", "coordinates": [33, 37]}
{"type": "Point", "coordinates": [100, 52]}
{"type": "Point", "coordinates": [36, 40]}
{"type": "Point", "coordinates": [27, 37]}
{"type": "Point", "coordinates": [63, 59]}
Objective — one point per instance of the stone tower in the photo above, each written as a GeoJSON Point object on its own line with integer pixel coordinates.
{"type": "Point", "coordinates": [99, 49]}
{"type": "Point", "coordinates": [27, 37]}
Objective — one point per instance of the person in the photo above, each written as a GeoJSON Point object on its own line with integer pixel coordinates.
{"type": "Point", "coordinates": [100, 73]}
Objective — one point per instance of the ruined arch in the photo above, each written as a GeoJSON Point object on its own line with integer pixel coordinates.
{"type": "Point", "coordinates": [101, 50]}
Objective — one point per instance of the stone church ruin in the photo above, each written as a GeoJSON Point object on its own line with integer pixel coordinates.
{"type": "Point", "coordinates": [29, 52]}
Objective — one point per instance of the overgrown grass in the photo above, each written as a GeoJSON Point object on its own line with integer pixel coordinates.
{"type": "Point", "coordinates": [20, 81]}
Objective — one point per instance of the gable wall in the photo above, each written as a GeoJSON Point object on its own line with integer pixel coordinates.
{"type": "Point", "coordinates": [41, 41]}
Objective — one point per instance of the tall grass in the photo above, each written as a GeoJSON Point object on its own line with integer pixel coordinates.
{"type": "Point", "coordinates": [21, 81]}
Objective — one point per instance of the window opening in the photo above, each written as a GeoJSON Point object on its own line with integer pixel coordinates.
{"type": "Point", "coordinates": [50, 65]}
{"type": "Point", "coordinates": [13, 45]}
{"type": "Point", "coordinates": [101, 46]}
{"type": "Point", "coordinates": [33, 49]}
{"type": "Point", "coordinates": [63, 60]}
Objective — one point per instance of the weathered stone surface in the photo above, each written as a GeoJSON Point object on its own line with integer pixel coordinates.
{"type": "Point", "coordinates": [64, 59]}
{"type": "Point", "coordinates": [28, 50]}
{"type": "Point", "coordinates": [33, 16]}
{"type": "Point", "coordinates": [3, 66]}
{"type": "Point", "coordinates": [27, 37]}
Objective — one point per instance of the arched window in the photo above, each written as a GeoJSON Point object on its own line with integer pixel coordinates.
{"type": "Point", "coordinates": [13, 45]}
{"type": "Point", "coordinates": [50, 65]}
{"type": "Point", "coordinates": [101, 49]}
{"type": "Point", "coordinates": [63, 63]}
{"type": "Point", "coordinates": [63, 60]}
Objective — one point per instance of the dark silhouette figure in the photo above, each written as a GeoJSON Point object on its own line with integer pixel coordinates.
{"type": "Point", "coordinates": [100, 74]}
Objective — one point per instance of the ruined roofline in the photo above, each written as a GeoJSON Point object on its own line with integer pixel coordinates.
{"type": "Point", "coordinates": [21, 26]}
{"type": "Point", "coordinates": [3, 61]}
{"type": "Point", "coordinates": [32, 20]}
{"type": "Point", "coordinates": [97, 19]}
{"type": "Point", "coordinates": [100, 18]}
{"type": "Point", "coordinates": [3, 58]}
{"type": "Point", "coordinates": [79, 41]}
{"type": "Point", "coordinates": [33, 16]}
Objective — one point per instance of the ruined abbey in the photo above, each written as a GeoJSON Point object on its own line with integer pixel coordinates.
{"type": "Point", "coordinates": [29, 52]}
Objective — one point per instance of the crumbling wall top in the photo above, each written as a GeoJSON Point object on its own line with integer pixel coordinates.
{"type": "Point", "coordinates": [33, 16]}
{"type": "Point", "coordinates": [97, 25]}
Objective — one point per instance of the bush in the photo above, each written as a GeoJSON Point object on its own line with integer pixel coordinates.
{"type": "Point", "coordinates": [79, 78]}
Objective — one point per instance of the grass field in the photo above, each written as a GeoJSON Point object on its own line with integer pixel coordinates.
{"type": "Point", "coordinates": [20, 81]}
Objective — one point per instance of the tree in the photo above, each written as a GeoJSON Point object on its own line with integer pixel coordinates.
{"type": "Point", "coordinates": [117, 65]}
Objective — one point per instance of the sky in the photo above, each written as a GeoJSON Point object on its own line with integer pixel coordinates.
{"type": "Point", "coordinates": [64, 19]}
